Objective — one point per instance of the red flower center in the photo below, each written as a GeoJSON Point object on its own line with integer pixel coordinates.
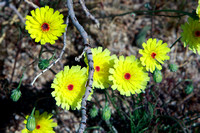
{"type": "Point", "coordinates": [127, 76]}
{"type": "Point", "coordinates": [197, 33]}
{"type": "Point", "coordinates": [70, 87]}
{"type": "Point", "coordinates": [97, 68]}
{"type": "Point", "coordinates": [38, 127]}
{"type": "Point", "coordinates": [153, 55]}
{"type": "Point", "coordinates": [45, 27]}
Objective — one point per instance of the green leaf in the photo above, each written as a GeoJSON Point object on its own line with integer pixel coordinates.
{"type": "Point", "coordinates": [141, 36]}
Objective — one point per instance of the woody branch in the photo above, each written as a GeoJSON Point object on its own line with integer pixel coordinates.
{"type": "Point", "coordinates": [90, 62]}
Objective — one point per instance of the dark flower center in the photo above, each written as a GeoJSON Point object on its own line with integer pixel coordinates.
{"type": "Point", "coordinates": [38, 127]}
{"type": "Point", "coordinates": [45, 27]}
{"type": "Point", "coordinates": [70, 87]}
{"type": "Point", "coordinates": [153, 55]}
{"type": "Point", "coordinates": [197, 33]}
{"type": "Point", "coordinates": [97, 68]}
{"type": "Point", "coordinates": [127, 76]}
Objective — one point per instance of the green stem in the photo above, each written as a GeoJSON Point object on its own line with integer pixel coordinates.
{"type": "Point", "coordinates": [138, 12]}
{"type": "Point", "coordinates": [20, 82]}
{"type": "Point", "coordinates": [113, 103]}
{"type": "Point", "coordinates": [41, 50]}
{"type": "Point", "coordinates": [111, 127]}
{"type": "Point", "coordinates": [32, 113]}
{"type": "Point", "coordinates": [42, 98]}
{"type": "Point", "coordinates": [106, 96]}
{"type": "Point", "coordinates": [175, 42]}
{"type": "Point", "coordinates": [53, 55]}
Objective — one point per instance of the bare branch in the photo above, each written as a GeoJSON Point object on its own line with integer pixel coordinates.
{"type": "Point", "coordinates": [88, 14]}
{"type": "Point", "coordinates": [80, 56]}
{"type": "Point", "coordinates": [31, 3]}
{"type": "Point", "coordinates": [14, 9]}
{"type": "Point", "coordinates": [90, 63]}
{"type": "Point", "coordinates": [60, 56]}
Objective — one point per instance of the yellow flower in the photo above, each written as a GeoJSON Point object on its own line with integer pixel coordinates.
{"type": "Point", "coordinates": [153, 54]}
{"type": "Point", "coordinates": [198, 9]}
{"type": "Point", "coordinates": [44, 123]}
{"type": "Point", "coordinates": [191, 35]}
{"type": "Point", "coordinates": [102, 62]}
{"type": "Point", "coordinates": [44, 25]}
{"type": "Point", "coordinates": [69, 87]}
{"type": "Point", "coordinates": [128, 76]}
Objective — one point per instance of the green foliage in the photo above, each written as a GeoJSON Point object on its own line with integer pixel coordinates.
{"type": "Point", "coordinates": [141, 115]}
{"type": "Point", "coordinates": [16, 94]}
{"type": "Point", "coordinates": [141, 36]}
{"type": "Point", "coordinates": [93, 111]}
{"type": "Point", "coordinates": [157, 76]}
{"type": "Point", "coordinates": [106, 113]}
{"type": "Point", "coordinates": [173, 67]}
{"type": "Point", "coordinates": [147, 5]}
{"type": "Point", "coordinates": [43, 64]}
{"type": "Point", "coordinates": [31, 124]}
{"type": "Point", "coordinates": [189, 89]}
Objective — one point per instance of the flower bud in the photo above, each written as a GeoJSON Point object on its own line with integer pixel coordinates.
{"type": "Point", "coordinates": [93, 111]}
{"type": "Point", "coordinates": [173, 67]}
{"type": "Point", "coordinates": [31, 124]}
{"type": "Point", "coordinates": [16, 94]}
{"type": "Point", "coordinates": [189, 89]}
{"type": "Point", "coordinates": [43, 64]}
{"type": "Point", "coordinates": [157, 76]}
{"type": "Point", "coordinates": [106, 113]}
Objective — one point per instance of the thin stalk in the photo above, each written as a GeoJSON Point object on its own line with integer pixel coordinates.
{"type": "Point", "coordinates": [53, 55]}
{"type": "Point", "coordinates": [114, 105]}
{"type": "Point", "coordinates": [32, 113]}
{"type": "Point", "coordinates": [181, 124]}
{"type": "Point", "coordinates": [20, 82]}
{"type": "Point", "coordinates": [94, 127]}
{"type": "Point", "coordinates": [153, 11]}
{"type": "Point", "coordinates": [40, 54]}
{"type": "Point", "coordinates": [175, 42]}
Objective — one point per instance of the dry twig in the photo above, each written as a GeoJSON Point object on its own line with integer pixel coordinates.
{"type": "Point", "coordinates": [14, 9]}
{"type": "Point", "coordinates": [88, 14]}
{"type": "Point", "coordinates": [90, 63]}
{"type": "Point", "coordinates": [31, 3]}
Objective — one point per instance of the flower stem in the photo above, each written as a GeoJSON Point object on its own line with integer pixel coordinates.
{"type": "Point", "coordinates": [32, 113]}
{"type": "Point", "coordinates": [151, 12]}
{"type": "Point", "coordinates": [114, 105]}
{"type": "Point", "coordinates": [40, 54]}
{"type": "Point", "coordinates": [175, 42]}
{"type": "Point", "coordinates": [53, 55]}
{"type": "Point", "coordinates": [20, 82]}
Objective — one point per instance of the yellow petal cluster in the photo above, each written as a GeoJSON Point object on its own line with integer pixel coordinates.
{"type": "Point", "coordinates": [44, 25]}
{"type": "Point", "coordinates": [69, 87]}
{"type": "Point", "coordinates": [103, 61]}
{"type": "Point", "coordinates": [198, 9]}
{"type": "Point", "coordinates": [153, 54]}
{"type": "Point", "coordinates": [128, 76]}
{"type": "Point", "coordinates": [191, 35]}
{"type": "Point", "coordinates": [44, 123]}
